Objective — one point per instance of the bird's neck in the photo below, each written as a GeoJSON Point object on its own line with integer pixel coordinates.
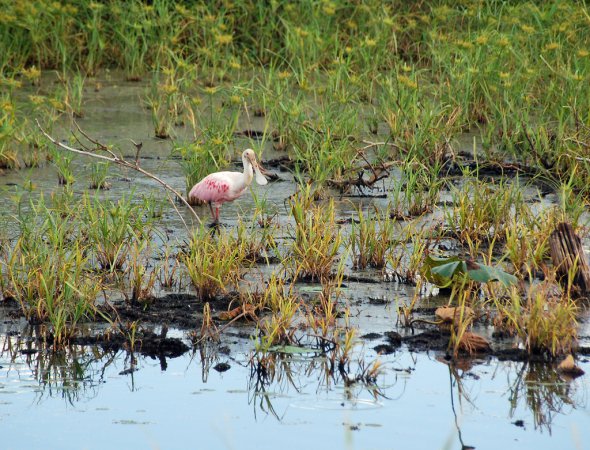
{"type": "Point", "coordinates": [248, 172]}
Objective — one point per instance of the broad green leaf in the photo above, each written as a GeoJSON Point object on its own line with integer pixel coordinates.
{"type": "Point", "coordinates": [442, 271]}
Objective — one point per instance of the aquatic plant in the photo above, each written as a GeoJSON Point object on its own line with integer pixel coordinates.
{"type": "Point", "coordinates": [371, 239]}
{"type": "Point", "coordinates": [212, 262]}
{"type": "Point", "coordinates": [112, 228]}
{"type": "Point", "coordinates": [141, 278]}
{"type": "Point", "coordinates": [317, 238]}
{"type": "Point", "coordinates": [99, 175]}
{"type": "Point", "coordinates": [61, 297]}
{"type": "Point", "coordinates": [544, 321]}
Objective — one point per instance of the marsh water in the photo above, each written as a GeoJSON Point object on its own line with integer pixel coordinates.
{"type": "Point", "coordinates": [87, 400]}
{"type": "Point", "coordinates": [87, 397]}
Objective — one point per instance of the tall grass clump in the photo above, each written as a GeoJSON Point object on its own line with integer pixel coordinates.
{"type": "Point", "coordinates": [545, 321]}
{"type": "Point", "coordinates": [317, 238]}
{"type": "Point", "coordinates": [371, 239]}
{"type": "Point", "coordinates": [112, 227]}
{"type": "Point", "coordinates": [213, 262]}
{"type": "Point", "coordinates": [48, 272]}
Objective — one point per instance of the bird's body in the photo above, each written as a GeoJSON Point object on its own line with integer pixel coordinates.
{"type": "Point", "coordinates": [221, 187]}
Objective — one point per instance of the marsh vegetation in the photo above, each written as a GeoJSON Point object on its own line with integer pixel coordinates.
{"type": "Point", "coordinates": [433, 147]}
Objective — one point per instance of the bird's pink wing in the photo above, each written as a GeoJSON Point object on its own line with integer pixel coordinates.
{"type": "Point", "coordinates": [217, 188]}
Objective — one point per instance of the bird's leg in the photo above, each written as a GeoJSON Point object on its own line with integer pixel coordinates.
{"type": "Point", "coordinates": [211, 209]}
{"type": "Point", "coordinates": [217, 213]}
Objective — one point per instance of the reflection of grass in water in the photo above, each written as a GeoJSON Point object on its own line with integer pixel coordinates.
{"type": "Point", "coordinates": [74, 373]}
{"type": "Point", "coordinates": [326, 74]}
{"type": "Point", "coordinates": [543, 392]}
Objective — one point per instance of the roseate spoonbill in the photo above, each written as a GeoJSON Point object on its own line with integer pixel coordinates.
{"type": "Point", "coordinates": [220, 187]}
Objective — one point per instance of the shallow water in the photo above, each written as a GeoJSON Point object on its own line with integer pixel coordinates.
{"type": "Point", "coordinates": [83, 401]}
{"type": "Point", "coordinates": [422, 403]}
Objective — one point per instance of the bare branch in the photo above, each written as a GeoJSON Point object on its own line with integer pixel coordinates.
{"type": "Point", "coordinates": [121, 162]}
{"type": "Point", "coordinates": [99, 145]}
{"type": "Point", "coordinates": [137, 150]}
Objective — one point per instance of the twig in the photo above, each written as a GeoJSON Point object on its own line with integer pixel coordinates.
{"type": "Point", "coordinates": [113, 158]}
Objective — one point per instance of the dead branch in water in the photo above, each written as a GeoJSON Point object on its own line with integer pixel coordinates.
{"type": "Point", "coordinates": [118, 160]}
{"type": "Point", "coordinates": [568, 257]}
{"type": "Point", "coordinates": [378, 172]}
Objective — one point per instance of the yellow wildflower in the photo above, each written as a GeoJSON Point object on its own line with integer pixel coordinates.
{"type": "Point", "coordinates": [36, 99]}
{"type": "Point", "coordinates": [329, 9]}
{"type": "Point", "coordinates": [552, 46]}
{"type": "Point", "coordinates": [56, 104]}
{"type": "Point", "coordinates": [370, 42]}
{"type": "Point", "coordinates": [235, 65]}
{"type": "Point", "coordinates": [181, 10]}
{"type": "Point", "coordinates": [527, 29]}
{"type": "Point", "coordinates": [224, 39]}
{"type": "Point", "coordinates": [10, 82]}
{"type": "Point", "coordinates": [169, 89]}
{"type": "Point", "coordinates": [7, 106]}
{"type": "Point", "coordinates": [235, 100]}
{"type": "Point", "coordinates": [504, 75]}
{"type": "Point", "coordinates": [442, 12]}
{"type": "Point", "coordinates": [301, 32]}
{"type": "Point", "coordinates": [503, 42]}
{"type": "Point", "coordinates": [283, 75]}
{"type": "Point", "coordinates": [95, 6]}
{"type": "Point", "coordinates": [583, 53]}
{"type": "Point", "coordinates": [464, 44]}
{"type": "Point", "coordinates": [482, 40]}
{"type": "Point", "coordinates": [407, 81]}
{"type": "Point", "coordinates": [216, 141]}
{"type": "Point", "coordinates": [211, 90]}
{"type": "Point", "coordinates": [32, 73]}
{"type": "Point", "coordinates": [7, 18]}
{"type": "Point", "coordinates": [351, 24]}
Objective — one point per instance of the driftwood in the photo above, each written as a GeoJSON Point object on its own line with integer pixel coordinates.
{"type": "Point", "coordinates": [567, 254]}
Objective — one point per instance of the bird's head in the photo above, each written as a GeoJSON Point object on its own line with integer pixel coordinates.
{"type": "Point", "coordinates": [250, 157]}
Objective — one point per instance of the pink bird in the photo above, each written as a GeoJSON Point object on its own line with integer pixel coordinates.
{"type": "Point", "coordinates": [220, 187]}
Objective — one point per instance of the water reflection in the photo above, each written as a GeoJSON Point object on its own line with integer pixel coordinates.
{"type": "Point", "coordinates": [74, 373]}
{"type": "Point", "coordinates": [544, 392]}
{"type": "Point", "coordinates": [275, 382]}
{"type": "Point", "coordinates": [536, 388]}
{"type": "Point", "coordinates": [275, 375]}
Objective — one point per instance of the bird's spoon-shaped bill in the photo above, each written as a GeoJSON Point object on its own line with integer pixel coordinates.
{"type": "Point", "coordinates": [260, 179]}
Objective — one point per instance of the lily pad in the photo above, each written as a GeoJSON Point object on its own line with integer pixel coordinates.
{"type": "Point", "coordinates": [442, 271]}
